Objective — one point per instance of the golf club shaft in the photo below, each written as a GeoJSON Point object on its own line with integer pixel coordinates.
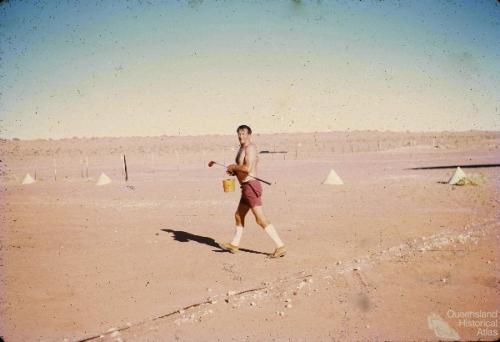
{"type": "Point", "coordinates": [256, 178]}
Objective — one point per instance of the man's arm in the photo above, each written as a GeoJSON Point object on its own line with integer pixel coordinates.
{"type": "Point", "coordinates": [248, 162]}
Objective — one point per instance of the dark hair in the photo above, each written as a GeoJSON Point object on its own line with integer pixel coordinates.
{"type": "Point", "coordinates": [249, 130]}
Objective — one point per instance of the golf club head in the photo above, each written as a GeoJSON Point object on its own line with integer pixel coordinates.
{"type": "Point", "coordinates": [211, 163]}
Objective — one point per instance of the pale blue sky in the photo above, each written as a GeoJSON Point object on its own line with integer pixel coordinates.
{"type": "Point", "coordinates": [110, 68]}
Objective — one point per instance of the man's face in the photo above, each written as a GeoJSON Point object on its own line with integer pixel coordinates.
{"type": "Point", "coordinates": [243, 136]}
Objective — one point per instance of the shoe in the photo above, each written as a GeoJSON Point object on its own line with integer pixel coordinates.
{"type": "Point", "coordinates": [278, 252]}
{"type": "Point", "coordinates": [227, 246]}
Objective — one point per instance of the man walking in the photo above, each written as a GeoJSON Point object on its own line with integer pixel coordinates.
{"type": "Point", "coordinates": [251, 194]}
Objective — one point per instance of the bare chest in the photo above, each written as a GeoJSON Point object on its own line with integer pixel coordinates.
{"type": "Point", "coordinates": [240, 156]}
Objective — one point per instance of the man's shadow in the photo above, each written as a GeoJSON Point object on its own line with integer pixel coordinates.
{"type": "Point", "coordinates": [182, 236]}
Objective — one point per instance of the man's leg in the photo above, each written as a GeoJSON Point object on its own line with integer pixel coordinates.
{"type": "Point", "coordinates": [270, 230]}
{"type": "Point", "coordinates": [240, 214]}
{"type": "Point", "coordinates": [260, 218]}
{"type": "Point", "coordinates": [239, 217]}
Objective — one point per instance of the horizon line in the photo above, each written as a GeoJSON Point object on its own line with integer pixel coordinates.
{"type": "Point", "coordinates": [254, 133]}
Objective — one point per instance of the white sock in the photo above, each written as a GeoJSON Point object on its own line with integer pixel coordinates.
{"type": "Point", "coordinates": [274, 235]}
{"type": "Point", "coordinates": [238, 232]}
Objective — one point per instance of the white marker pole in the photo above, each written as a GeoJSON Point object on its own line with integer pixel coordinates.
{"type": "Point", "coordinates": [86, 167]}
{"type": "Point", "coordinates": [55, 169]}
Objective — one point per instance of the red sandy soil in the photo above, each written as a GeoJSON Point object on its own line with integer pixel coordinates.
{"type": "Point", "coordinates": [372, 259]}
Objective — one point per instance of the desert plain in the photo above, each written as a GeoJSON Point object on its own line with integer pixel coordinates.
{"type": "Point", "coordinates": [394, 253]}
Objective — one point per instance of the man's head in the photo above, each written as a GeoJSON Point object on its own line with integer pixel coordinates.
{"type": "Point", "coordinates": [244, 134]}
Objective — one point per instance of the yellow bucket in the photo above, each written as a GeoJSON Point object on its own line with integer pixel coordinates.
{"type": "Point", "coordinates": [228, 184]}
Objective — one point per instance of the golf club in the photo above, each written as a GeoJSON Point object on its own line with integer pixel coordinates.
{"type": "Point", "coordinates": [212, 163]}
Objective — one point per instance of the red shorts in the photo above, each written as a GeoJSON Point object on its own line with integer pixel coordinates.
{"type": "Point", "coordinates": [251, 193]}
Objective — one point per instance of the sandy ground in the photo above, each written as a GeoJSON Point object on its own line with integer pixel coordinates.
{"type": "Point", "coordinates": [393, 254]}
